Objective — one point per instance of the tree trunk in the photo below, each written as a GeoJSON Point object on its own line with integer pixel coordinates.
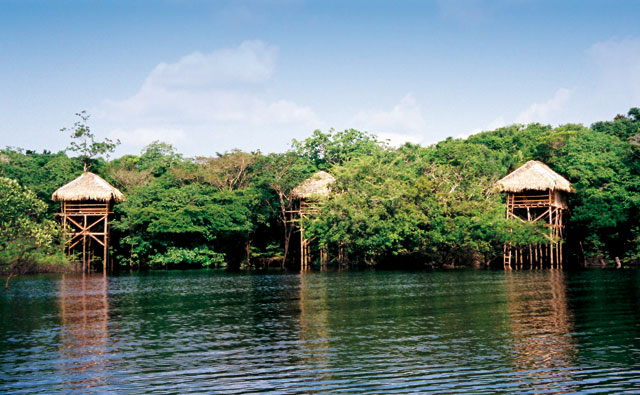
{"type": "Point", "coordinates": [248, 249]}
{"type": "Point", "coordinates": [6, 284]}
{"type": "Point", "coordinates": [287, 227]}
{"type": "Point", "coordinates": [287, 239]}
{"type": "Point", "coordinates": [11, 274]}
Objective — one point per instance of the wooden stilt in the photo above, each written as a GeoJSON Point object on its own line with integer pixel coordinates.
{"type": "Point", "coordinates": [561, 254]}
{"type": "Point", "coordinates": [88, 224]}
{"type": "Point", "coordinates": [551, 234]}
{"type": "Point", "coordinates": [533, 206]}
{"type": "Point", "coordinates": [302, 255]}
{"type": "Point", "coordinates": [105, 247]}
{"type": "Point", "coordinates": [519, 258]}
{"type": "Point", "coordinates": [84, 246]}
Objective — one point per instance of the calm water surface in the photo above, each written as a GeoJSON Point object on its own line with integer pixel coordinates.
{"type": "Point", "coordinates": [351, 332]}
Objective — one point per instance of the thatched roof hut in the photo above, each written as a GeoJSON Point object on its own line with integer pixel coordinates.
{"type": "Point", "coordinates": [318, 185]}
{"type": "Point", "coordinates": [534, 175]}
{"type": "Point", "coordinates": [88, 186]}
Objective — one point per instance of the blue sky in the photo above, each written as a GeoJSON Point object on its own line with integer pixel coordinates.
{"type": "Point", "coordinates": [211, 76]}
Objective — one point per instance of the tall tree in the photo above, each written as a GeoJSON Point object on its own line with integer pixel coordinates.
{"type": "Point", "coordinates": [84, 143]}
{"type": "Point", "coordinates": [280, 173]}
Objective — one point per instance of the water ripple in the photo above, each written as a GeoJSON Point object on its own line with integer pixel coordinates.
{"type": "Point", "coordinates": [351, 332]}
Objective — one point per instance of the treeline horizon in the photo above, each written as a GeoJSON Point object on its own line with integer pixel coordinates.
{"type": "Point", "coordinates": [392, 207]}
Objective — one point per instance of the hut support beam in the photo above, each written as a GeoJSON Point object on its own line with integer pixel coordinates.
{"type": "Point", "coordinates": [105, 246]}
{"type": "Point", "coordinates": [533, 208]}
{"type": "Point", "coordinates": [87, 222]}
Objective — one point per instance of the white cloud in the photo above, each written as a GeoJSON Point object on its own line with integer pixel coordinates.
{"type": "Point", "coordinates": [547, 111]}
{"type": "Point", "coordinates": [144, 136]}
{"type": "Point", "coordinates": [403, 123]}
{"type": "Point", "coordinates": [250, 63]}
{"type": "Point", "coordinates": [607, 83]}
{"type": "Point", "coordinates": [211, 102]}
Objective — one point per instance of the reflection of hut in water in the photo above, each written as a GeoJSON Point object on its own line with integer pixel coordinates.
{"type": "Point", "coordinates": [535, 193]}
{"type": "Point", "coordinates": [314, 323]}
{"type": "Point", "coordinates": [84, 310]}
{"type": "Point", "coordinates": [308, 195]}
{"type": "Point", "coordinates": [86, 203]}
{"type": "Point", "coordinates": [541, 322]}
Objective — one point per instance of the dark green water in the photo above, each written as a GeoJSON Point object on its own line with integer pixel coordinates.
{"type": "Point", "coordinates": [367, 332]}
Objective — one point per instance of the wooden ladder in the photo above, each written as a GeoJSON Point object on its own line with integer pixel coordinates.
{"type": "Point", "coordinates": [507, 256]}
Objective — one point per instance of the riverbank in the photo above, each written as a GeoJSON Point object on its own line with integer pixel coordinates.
{"type": "Point", "coordinates": [55, 263]}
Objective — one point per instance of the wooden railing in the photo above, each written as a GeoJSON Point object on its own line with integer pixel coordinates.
{"type": "Point", "coordinates": [85, 208]}
{"type": "Point", "coordinates": [537, 200]}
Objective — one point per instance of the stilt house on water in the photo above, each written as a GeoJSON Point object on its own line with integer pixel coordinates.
{"type": "Point", "coordinates": [536, 193]}
{"type": "Point", "coordinates": [86, 203]}
{"type": "Point", "coordinates": [307, 194]}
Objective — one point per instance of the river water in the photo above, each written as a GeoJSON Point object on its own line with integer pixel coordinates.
{"type": "Point", "coordinates": [353, 332]}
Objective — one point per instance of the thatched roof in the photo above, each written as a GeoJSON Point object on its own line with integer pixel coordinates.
{"type": "Point", "coordinates": [534, 175]}
{"type": "Point", "coordinates": [88, 186]}
{"type": "Point", "coordinates": [315, 186]}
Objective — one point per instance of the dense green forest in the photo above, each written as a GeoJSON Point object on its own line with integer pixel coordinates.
{"type": "Point", "coordinates": [412, 205]}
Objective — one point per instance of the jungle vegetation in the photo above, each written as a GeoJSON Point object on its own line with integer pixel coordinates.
{"type": "Point", "coordinates": [412, 205]}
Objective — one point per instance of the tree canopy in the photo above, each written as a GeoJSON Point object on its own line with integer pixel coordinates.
{"type": "Point", "coordinates": [423, 205]}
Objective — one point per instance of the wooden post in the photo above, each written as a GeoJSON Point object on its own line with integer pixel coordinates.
{"type": "Point", "coordinates": [559, 237]}
{"type": "Point", "coordinates": [540, 256]}
{"type": "Point", "coordinates": [84, 245]}
{"type": "Point", "coordinates": [551, 233]}
{"type": "Point", "coordinates": [110, 260]}
{"type": "Point", "coordinates": [530, 255]}
{"type": "Point", "coordinates": [302, 262]}
{"type": "Point", "coordinates": [64, 221]}
{"type": "Point", "coordinates": [106, 244]}
{"type": "Point", "coordinates": [560, 253]}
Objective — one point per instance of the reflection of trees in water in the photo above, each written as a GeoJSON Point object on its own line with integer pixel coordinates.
{"type": "Point", "coordinates": [84, 313]}
{"type": "Point", "coordinates": [541, 323]}
{"type": "Point", "coordinates": [314, 325]}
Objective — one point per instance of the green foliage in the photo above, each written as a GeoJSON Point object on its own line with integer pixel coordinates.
{"type": "Point", "coordinates": [279, 174]}
{"type": "Point", "coordinates": [606, 205]}
{"type": "Point", "coordinates": [26, 236]}
{"type": "Point", "coordinates": [623, 127]}
{"type": "Point", "coordinates": [158, 158]}
{"type": "Point", "coordinates": [335, 148]}
{"type": "Point", "coordinates": [371, 213]}
{"type": "Point", "coordinates": [83, 140]}
{"type": "Point", "coordinates": [436, 203]}
{"type": "Point", "coordinates": [196, 256]}
{"type": "Point", "coordinates": [156, 218]}
{"type": "Point", "coordinates": [430, 205]}
{"type": "Point", "coordinates": [229, 171]}
{"type": "Point", "coordinates": [42, 173]}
